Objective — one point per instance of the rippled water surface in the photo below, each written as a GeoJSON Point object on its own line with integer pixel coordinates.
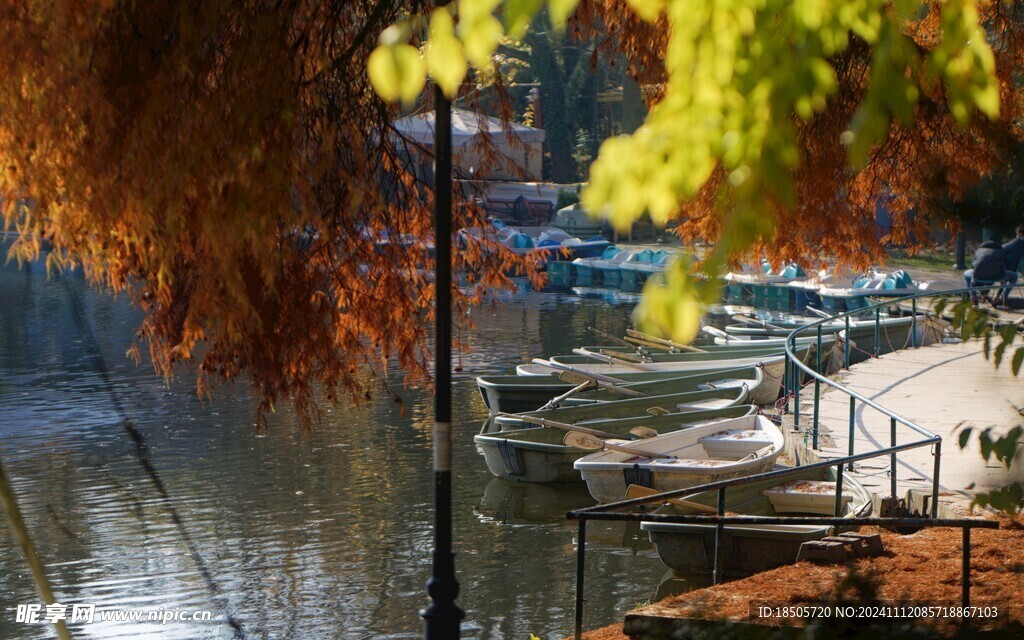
{"type": "Point", "coordinates": [325, 535]}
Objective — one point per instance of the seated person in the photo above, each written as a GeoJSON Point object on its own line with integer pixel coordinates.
{"type": "Point", "coordinates": [988, 267]}
{"type": "Point", "coordinates": [1013, 251]}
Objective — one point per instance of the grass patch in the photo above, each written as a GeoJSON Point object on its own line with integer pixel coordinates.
{"type": "Point", "coordinates": [926, 259]}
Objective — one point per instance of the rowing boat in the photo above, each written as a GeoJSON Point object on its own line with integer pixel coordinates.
{"type": "Point", "coordinates": [539, 454]}
{"type": "Point", "coordinates": [893, 333]}
{"type": "Point", "coordinates": [670, 403]}
{"type": "Point", "coordinates": [747, 549]}
{"type": "Point", "coordinates": [699, 455]}
{"type": "Point", "coordinates": [774, 367]}
{"type": "Point", "coordinates": [514, 394]}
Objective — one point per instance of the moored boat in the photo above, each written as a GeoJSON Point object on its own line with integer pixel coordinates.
{"type": "Point", "coordinates": [633, 274]}
{"type": "Point", "coordinates": [514, 394]}
{"type": "Point", "coordinates": [764, 286]}
{"type": "Point", "coordinates": [577, 221]}
{"type": "Point", "coordinates": [875, 284]}
{"type": "Point", "coordinates": [585, 270]}
{"type": "Point", "coordinates": [670, 403]}
{"type": "Point", "coordinates": [774, 367]}
{"type": "Point", "coordinates": [699, 455]}
{"type": "Point", "coordinates": [893, 333]}
{"type": "Point", "coordinates": [747, 549]}
{"type": "Point", "coordinates": [608, 269]}
{"type": "Point", "coordinates": [539, 454]}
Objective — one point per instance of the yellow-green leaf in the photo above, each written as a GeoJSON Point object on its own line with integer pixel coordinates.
{"type": "Point", "coordinates": [560, 10]}
{"type": "Point", "coordinates": [647, 9]}
{"type": "Point", "coordinates": [397, 72]}
{"type": "Point", "coordinates": [445, 58]}
{"type": "Point", "coordinates": [674, 309]}
{"type": "Point", "coordinates": [480, 40]}
{"type": "Point", "coordinates": [518, 16]}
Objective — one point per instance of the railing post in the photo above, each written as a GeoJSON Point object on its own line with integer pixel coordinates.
{"type": "Point", "coordinates": [846, 345]}
{"type": "Point", "coordinates": [719, 530]}
{"type": "Point", "coordinates": [787, 379]}
{"type": "Point", "coordinates": [839, 490]}
{"type": "Point", "coordinates": [965, 580]}
{"type": "Point", "coordinates": [796, 386]}
{"type": "Point", "coordinates": [892, 458]}
{"type": "Point", "coordinates": [853, 415]}
{"type": "Point", "coordinates": [913, 323]}
{"type": "Point", "coordinates": [935, 479]}
{"type": "Point", "coordinates": [817, 393]}
{"type": "Point", "coordinates": [581, 544]}
{"type": "Point", "coordinates": [878, 324]}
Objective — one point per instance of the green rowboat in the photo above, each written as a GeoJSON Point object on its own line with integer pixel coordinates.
{"type": "Point", "coordinates": [538, 454]}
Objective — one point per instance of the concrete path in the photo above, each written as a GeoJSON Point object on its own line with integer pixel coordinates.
{"type": "Point", "coordinates": [940, 388]}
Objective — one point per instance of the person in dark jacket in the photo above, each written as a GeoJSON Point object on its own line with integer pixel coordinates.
{"type": "Point", "coordinates": [988, 267]}
{"type": "Point", "coordinates": [1013, 252]}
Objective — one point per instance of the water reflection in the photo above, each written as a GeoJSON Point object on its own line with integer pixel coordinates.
{"type": "Point", "coordinates": [325, 535]}
{"type": "Point", "coordinates": [509, 503]}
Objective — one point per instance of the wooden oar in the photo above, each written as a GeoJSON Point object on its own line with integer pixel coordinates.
{"type": "Point", "coordinates": [637, 491]}
{"type": "Point", "coordinates": [763, 451]}
{"type": "Point", "coordinates": [640, 432]}
{"type": "Point", "coordinates": [583, 386]}
{"type": "Point", "coordinates": [632, 357]}
{"type": "Point", "coordinates": [572, 377]}
{"type": "Point", "coordinates": [668, 343]}
{"type": "Point", "coordinates": [612, 383]}
{"type": "Point", "coordinates": [760, 323]}
{"type": "Point", "coordinates": [580, 372]}
{"type": "Point", "coordinates": [819, 313]}
{"type": "Point", "coordinates": [612, 360]}
{"type": "Point", "coordinates": [586, 441]}
{"type": "Point", "coordinates": [608, 336]}
{"type": "Point", "coordinates": [653, 345]}
{"type": "Point", "coordinates": [715, 331]}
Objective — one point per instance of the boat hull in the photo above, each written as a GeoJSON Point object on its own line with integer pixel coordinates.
{"type": "Point", "coordinates": [748, 549]}
{"type": "Point", "coordinates": [744, 551]}
{"type": "Point", "coordinates": [610, 485]}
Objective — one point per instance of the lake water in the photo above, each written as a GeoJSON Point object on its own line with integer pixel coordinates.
{"type": "Point", "coordinates": [325, 535]}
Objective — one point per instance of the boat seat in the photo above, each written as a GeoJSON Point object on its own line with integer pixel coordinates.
{"type": "Point", "coordinates": [735, 443]}
{"type": "Point", "coordinates": [697, 462]}
{"type": "Point", "coordinates": [710, 403]}
{"type": "Point", "coordinates": [805, 496]}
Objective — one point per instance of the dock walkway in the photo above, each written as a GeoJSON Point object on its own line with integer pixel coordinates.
{"type": "Point", "coordinates": [941, 388]}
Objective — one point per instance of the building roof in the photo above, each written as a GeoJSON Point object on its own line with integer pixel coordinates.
{"type": "Point", "coordinates": [465, 126]}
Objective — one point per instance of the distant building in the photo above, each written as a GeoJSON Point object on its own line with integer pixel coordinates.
{"type": "Point", "coordinates": [481, 147]}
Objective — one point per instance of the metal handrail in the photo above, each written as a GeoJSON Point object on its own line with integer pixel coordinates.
{"type": "Point", "coordinates": [586, 512]}
{"type": "Point", "coordinates": [607, 511]}
{"type": "Point", "coordinates": [894, 417]}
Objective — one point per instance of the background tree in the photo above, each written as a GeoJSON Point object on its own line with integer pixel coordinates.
{"type": "Point", "coordinates": [778, 125]}
{"type": "Point", "coordinates": [227, 166]}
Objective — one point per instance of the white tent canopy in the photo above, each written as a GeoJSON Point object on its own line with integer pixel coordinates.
{"type": "Point", "coordinates": [465, 125]}
{"type": "Point", "coordinates": [517, 149]}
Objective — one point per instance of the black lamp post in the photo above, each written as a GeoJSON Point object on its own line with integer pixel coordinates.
{"type": "Point", "coordinates": [442, 616]}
